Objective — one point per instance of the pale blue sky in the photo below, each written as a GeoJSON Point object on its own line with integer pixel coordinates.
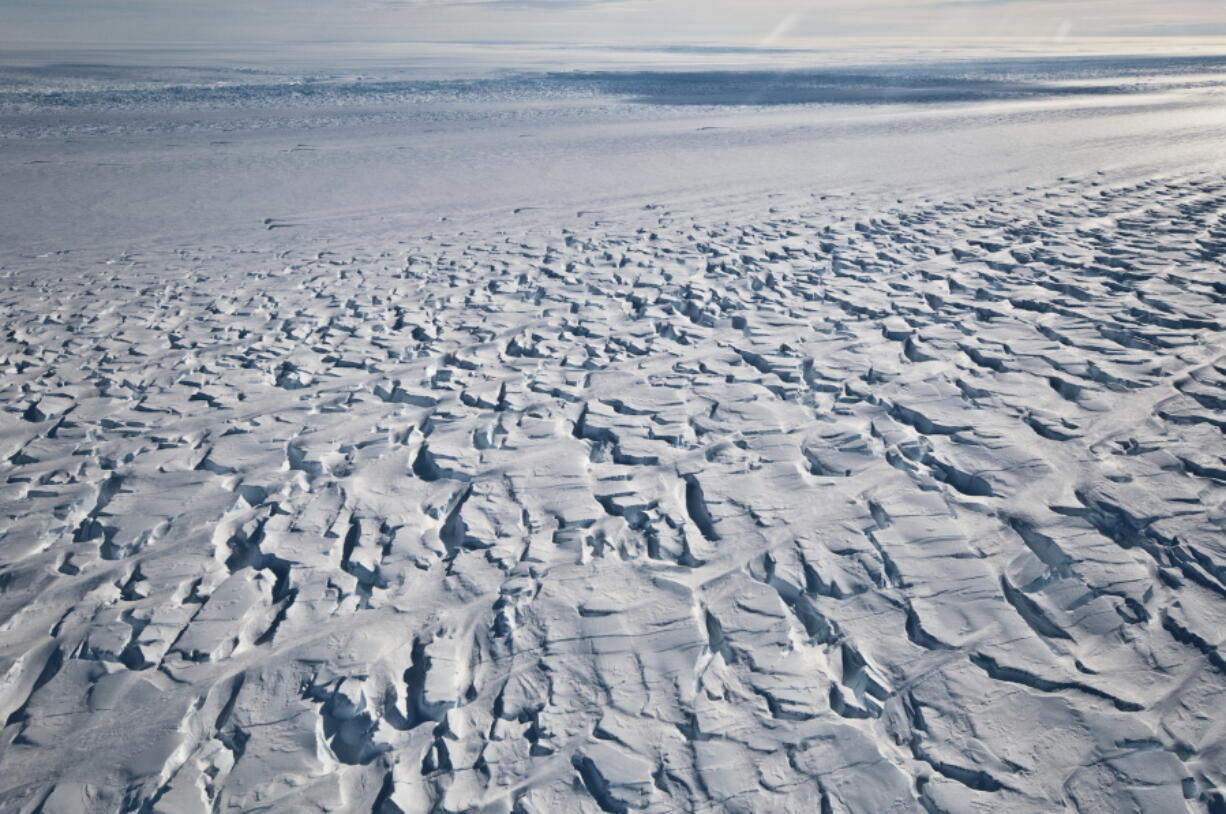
{"type": "Point", "coordinates": [607, 21]}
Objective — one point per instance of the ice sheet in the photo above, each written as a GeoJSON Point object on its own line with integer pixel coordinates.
{"type": "Point", "coordinates": [846, 438]}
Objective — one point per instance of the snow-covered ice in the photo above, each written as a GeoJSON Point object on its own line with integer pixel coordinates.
{"type": "Point", "coordinates": [843, 440]}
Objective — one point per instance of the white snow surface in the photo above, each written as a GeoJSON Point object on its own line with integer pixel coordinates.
{"type": "Point", "coordinates": [844, 438]}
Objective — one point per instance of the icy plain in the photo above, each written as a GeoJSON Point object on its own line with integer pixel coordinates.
{"type": "Point", "coordinates": [712, 437]}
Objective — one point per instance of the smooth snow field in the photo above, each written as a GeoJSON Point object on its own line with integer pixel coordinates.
{"type": "Point", "coordinates": [516, 432]}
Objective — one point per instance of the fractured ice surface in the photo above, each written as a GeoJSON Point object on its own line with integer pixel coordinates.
{"type": "Point", "coordinates": [827, 509]}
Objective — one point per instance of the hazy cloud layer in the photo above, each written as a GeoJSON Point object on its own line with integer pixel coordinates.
{"type": "Point", "coordinates": [616, 21]}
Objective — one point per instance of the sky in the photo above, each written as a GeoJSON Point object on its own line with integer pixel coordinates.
{"type": "Point", "coordinates": [628, 22]}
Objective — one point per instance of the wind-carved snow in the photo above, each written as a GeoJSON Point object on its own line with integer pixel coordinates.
{"type": "Point", "coordinates": [912, 510]}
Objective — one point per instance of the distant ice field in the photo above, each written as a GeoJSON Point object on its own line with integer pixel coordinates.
{"type": "Point", "coordinates": [113, 147]}
{"type": "Point", "coordinates": [101, 87]}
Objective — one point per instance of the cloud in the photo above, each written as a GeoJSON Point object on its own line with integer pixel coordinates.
{"type": "Point", "coordinates": [672, 22]}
